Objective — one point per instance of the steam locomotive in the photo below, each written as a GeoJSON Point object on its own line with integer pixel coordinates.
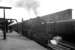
{"type": "Point", "coordinates": [42, 33]}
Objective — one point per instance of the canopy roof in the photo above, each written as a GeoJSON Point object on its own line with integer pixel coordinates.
{"type": "Point", "coordinates": [3, 7]}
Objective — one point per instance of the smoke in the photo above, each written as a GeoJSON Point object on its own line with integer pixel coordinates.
{"type": "Point", "coordinates": [29, 5]}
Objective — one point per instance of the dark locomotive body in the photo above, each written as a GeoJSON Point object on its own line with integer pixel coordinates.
{"type": "Point", "coordinates": [44, 32]}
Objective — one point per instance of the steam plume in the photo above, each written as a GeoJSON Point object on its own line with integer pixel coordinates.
{"type": "Point", "coordinates": [29, 5]}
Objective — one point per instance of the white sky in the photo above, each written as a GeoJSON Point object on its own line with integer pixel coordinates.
{"type": "Point", "coordinates": [46, 7]}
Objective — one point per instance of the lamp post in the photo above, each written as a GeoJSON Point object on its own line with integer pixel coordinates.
{"type": "Point", "coordinates": [22, 27]}
{"type": "Point", "coordinates": [4, 32]}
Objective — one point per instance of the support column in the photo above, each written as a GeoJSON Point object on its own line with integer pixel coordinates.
{"type": "Point", "coordinates": [4, 32]}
